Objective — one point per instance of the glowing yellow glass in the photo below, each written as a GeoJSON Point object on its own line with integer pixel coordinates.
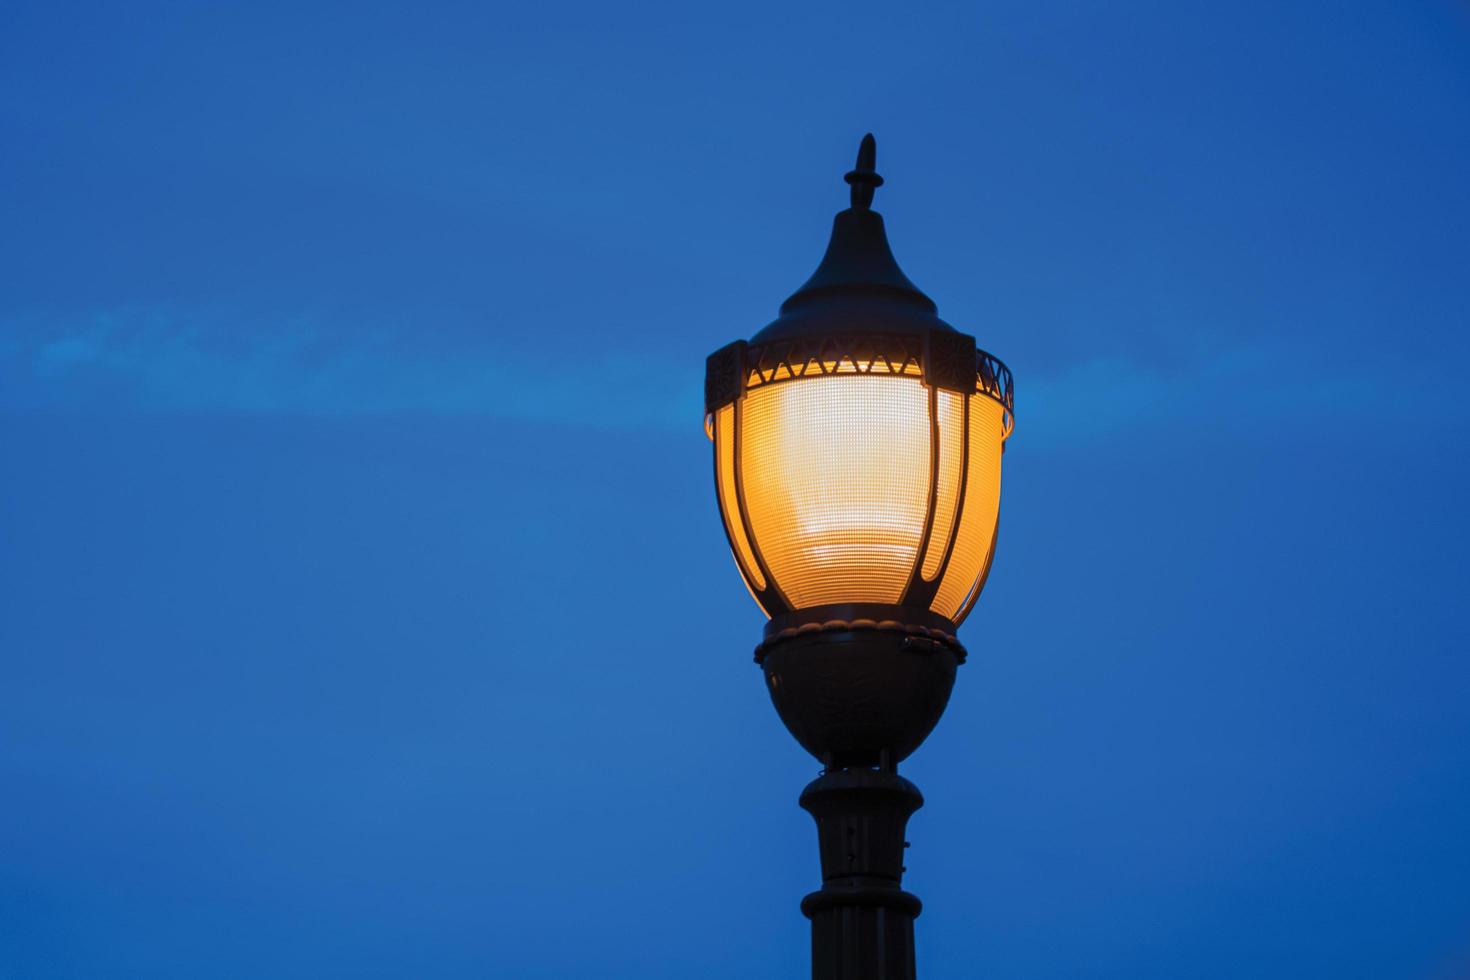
{"type": "Point", "coordinates": [950, 409]}
{"type": "Point", "coordinates": [729, 501]}
{"type": "Point", "coordinates": [836, 479]}
{"type": "Point", "coordinates": [977, 517]}
{"type": "Point", "coordinates": [825, 484]}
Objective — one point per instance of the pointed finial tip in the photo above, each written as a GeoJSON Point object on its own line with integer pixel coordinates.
{"type": "Point", "coordinates": [863, 178]}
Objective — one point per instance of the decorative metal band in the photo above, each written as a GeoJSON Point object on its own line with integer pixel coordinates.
{"type": "Point", "coordinates": [723, 372]}
{"type": "Point", "coordinates": [855, 353]}
{"type": "Point", "coordinates": [949, 361]}
{"type": "Point", "coordinates": [845, 898]}
{"type": "Point", "coordinates": [943, 359]}
{"type": "Point", "coordinates": [923, 634]}
{"type": "Point", "coordinates": [993, 378]}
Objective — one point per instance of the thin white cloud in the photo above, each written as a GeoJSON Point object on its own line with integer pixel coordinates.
{"type": "Point", "coordinates": [161, 361]}
{"type": "Point", "coordinates": [167, 363]}
{"type": "Point", "coordinates": [1264, 386]}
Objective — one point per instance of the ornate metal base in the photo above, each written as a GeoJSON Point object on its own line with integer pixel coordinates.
{"type": "Point", "coordinates": [860, 685]}
{"type": "Point", "coordinates": [862, 919]}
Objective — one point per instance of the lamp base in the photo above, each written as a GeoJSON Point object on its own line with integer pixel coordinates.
{"type": "Point", "coordinates": [862, 689]}
{"type": "Point", "coordinates": [862, 919]}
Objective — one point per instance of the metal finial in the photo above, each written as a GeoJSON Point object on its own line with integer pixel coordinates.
{"type": "Point", "coordinates": [863, 178]}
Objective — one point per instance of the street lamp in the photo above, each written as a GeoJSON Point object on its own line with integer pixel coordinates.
{"type": "Point", "coordinates": [857, 450]}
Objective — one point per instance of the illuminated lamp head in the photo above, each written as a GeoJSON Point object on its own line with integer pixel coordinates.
{"type": "Point", "coordinates": [857, 451]}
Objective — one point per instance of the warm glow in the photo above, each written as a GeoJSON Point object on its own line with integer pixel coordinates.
{"type": "Point", "coordinates": [982, 505]}
{"type": "Point", "coordinates": [725, 467]}
{"type": "Point", "coordinates": [836, 474]}
{"type": "Point", "coordinates": [951, 411]}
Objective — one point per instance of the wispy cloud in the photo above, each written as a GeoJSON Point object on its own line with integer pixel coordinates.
{"type": "Point", "coordinates": [165, 361]}
{"type": "Point", "coordinates": [1264, 386]}
{"type": "Point", "coordinates": [168, 362]}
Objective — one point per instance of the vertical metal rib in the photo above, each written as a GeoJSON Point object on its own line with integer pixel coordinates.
{"type": "Point", "coordinates": [984, 574]}
{"type": "Point", "coordinates": [772, 589]}
{"type": "Point", "coordinates": [916, 574]}
{"type": "Point", "coordinates": [959, 502]}
{"type": "Point", "coordinates": [728, 521]}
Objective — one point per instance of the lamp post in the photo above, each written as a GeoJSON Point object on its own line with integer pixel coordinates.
{"type": "Point", "coordinates": [857, 449]}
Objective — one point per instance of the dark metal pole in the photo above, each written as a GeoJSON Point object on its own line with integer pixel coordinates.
{"type": "Point", "coordinates": [862, 919]}
{"type": "Point", "coordinates": [860, 698]}
{"type": "Point", "coordinates": [859, 683]}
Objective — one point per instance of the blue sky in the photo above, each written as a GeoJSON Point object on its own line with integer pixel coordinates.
{"type": "Point", "coordinates": [365, 606]}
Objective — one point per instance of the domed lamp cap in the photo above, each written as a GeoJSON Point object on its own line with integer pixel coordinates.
{"type": "Point", "coordinates": [858, 287]}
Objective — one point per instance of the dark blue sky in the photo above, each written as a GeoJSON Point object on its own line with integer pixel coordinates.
{"type": "Point", "coordinates": [364, 608]}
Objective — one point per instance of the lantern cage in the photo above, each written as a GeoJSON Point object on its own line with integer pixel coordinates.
{"type": "Point", "coordinates": [857, 456]}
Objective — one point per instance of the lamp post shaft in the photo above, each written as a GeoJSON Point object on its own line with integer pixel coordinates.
{"type": "Point", "coordinates": [864, 561]}
{"type": "Point", "coordinates": [862, 919]}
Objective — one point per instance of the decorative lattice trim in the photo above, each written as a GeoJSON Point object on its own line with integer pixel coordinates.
{"type": "Point", "coordinates": [885, 625]}
{"type": "Point", "coordinates": [939, 359]}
